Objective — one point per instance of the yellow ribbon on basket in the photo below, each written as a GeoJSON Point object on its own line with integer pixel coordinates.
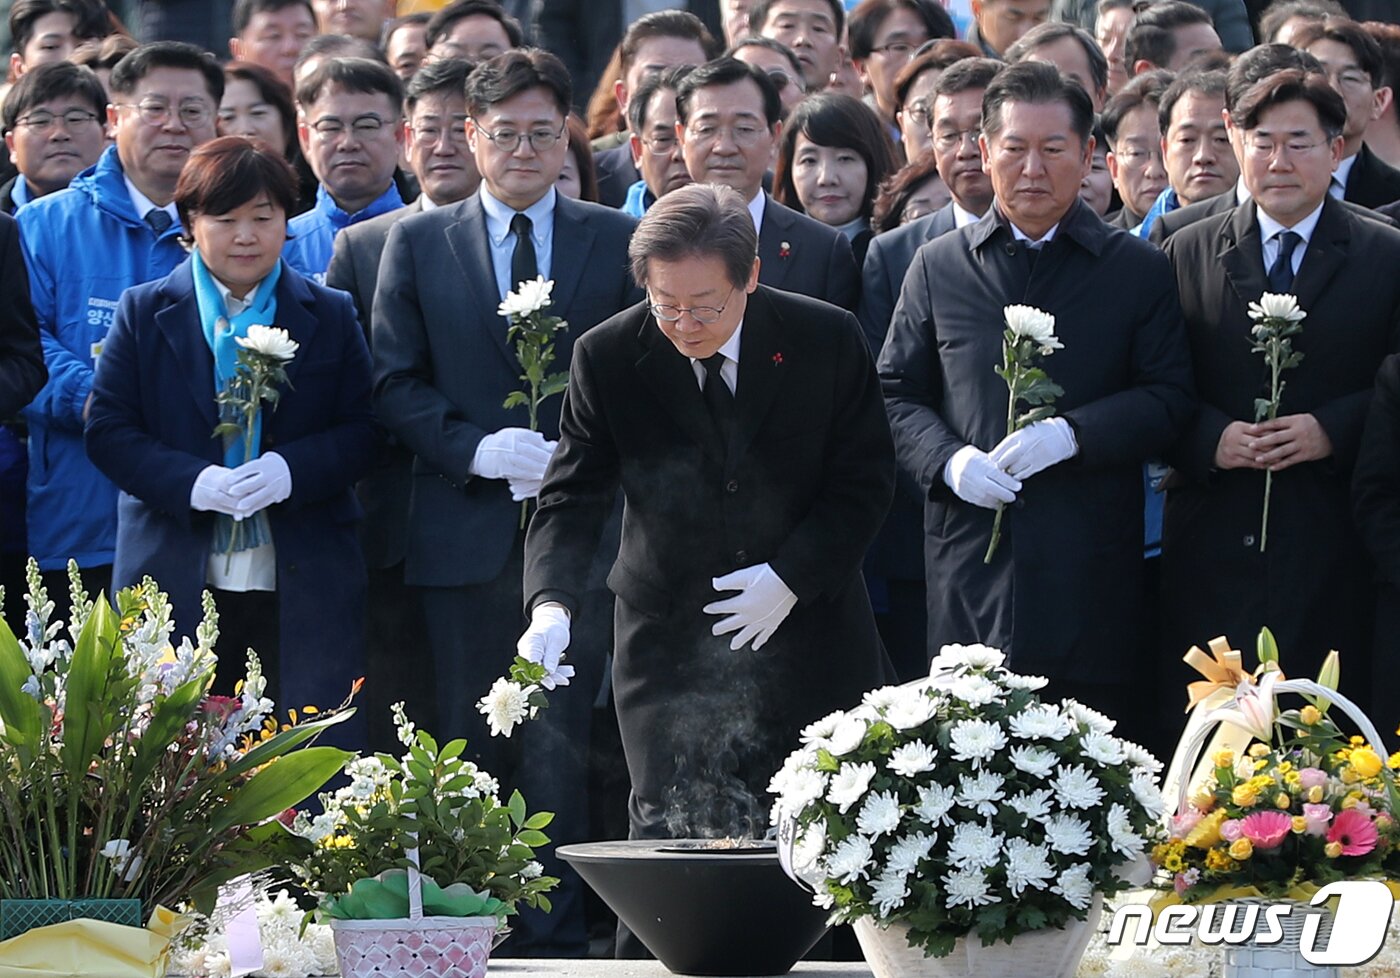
{"type": "Point", "coordinates": [93, 949]}
{"type": "Point", "coordinates": [1223, 670]}
{"type": "Point", "coordinates": [1301, 892]}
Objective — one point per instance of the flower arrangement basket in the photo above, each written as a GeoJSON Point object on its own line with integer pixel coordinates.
{"type": "Point", "coordinates": [1283, 959]}
{"type": "Point", "coordinates": [19, 916]}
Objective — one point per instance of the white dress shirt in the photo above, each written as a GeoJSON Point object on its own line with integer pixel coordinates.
{"type": "Point", "coordinates": [1269, 230]}
{"type": "Point", "coordinates": [1338, 187]}
{"type": "Point", "coordinates": [963, 217]}
{"type": "Point", "coordinates": [254, 569]}
{"type": "Point", "coordinates": [729, 370]}
{"type": "Point", "coordinates": [144, 205]}
{"type": "Point", "coordinates": [1044, 239]}
{"type": "Point", "coordinates": [502, 241]}
{"type": "Point", "coordinates": [756, 206]}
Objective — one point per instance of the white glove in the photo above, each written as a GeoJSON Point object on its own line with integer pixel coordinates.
{"type": "Point", "coordinates": [522, 489]}
{"type": "Point", "coordinates": [756, 612]}
{"type": "Point", "coordinates": [544, 642]}
{"type": "Point", "coordinates": [210, 492]}
{"type": "Point", "coordinates": [513, 453]}
{"type": "Point", "coordinates": [1035, 448]}
{"type": "Point", "coordinates": [975, 478]}
{"type": "Point", "coordinates": [258, 484]}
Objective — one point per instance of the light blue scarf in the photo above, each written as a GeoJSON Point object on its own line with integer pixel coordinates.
{"type": "Point", "coordinates": [221, 332]}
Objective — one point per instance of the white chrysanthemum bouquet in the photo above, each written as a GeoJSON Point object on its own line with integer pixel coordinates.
{"type": "Point", "coordinates": [962, 804]}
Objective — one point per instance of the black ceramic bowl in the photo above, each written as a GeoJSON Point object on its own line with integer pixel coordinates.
{"type": "Point", "coordinates": [704, 910]}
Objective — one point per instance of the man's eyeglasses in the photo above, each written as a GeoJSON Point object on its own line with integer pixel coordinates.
{"type": "Point", "coordinates": [157, 112]}
{"type": "Point", "coordinates": [508, 140]}
{"type": "Point", "coordinates": [663, 145]}
{"type": "Point", "coordinates": [897, 49]}
{"type": "Point", "coordinates": [43, 122]}
{"type": "Point", "coordinates": [705, 315]}
{"type": "Point", "coordinates": [947, 139]}
{"type": "Point", "coordinates": [429, 135]}
{"type": "Point", "coordinates": [365, 126]}
{"type": "Point", "coordinates": [745, 134]}
{"type": "Point", "coordinates": [1266, 149]}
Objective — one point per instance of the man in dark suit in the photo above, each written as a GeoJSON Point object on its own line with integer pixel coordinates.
{"type": "Point", "coordinates": [1065, 584]}
{"type": "Point", "coordinates": [745, 429]}
{"type": "Point", "coordinates": [1311, 585]}
{"type": "Point", "coordinates": [1375, 496]}
{"type": "Point", "coordinates": [399, 663]}
{"type": "Point", "coordinates": [444, 367]}
{"type": "Point", "coordinates": [895, 566]}
{"type": "Point", "coordinates": [728, 114]}
{"type": "Point", "coordinates": [1352, 59]}
{"type": "Point", "coordinates": [653, 45]}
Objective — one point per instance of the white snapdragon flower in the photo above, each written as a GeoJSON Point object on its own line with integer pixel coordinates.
{"type": "Point", "coordinates": [1036, 325]}
{"type": "Point", "coordinates": [976, 740]}
{"type": "Point", "coordinates": [1027, 865]}
{"type": "Point", "coordinates": [507, 704]}
{"type": "Point", "coordinates": [849, 785]}
{"type": "Point", "coordinates": [1274, 305]}
{"type": "Point", "coordinates": [1069, 835]}
{"type": "Point", "coordinates": [912, 758]}
{"type": "Point", "coordinates": [879, 814]}
{"type": "Point", "coordinates": [1076, 787]}
{"type": "Point", "coordinates": [527, 298]}
{"type": "Point", "coordinates": [269, 341]}
{"type": "Point", "coordinates": [1043, 721]}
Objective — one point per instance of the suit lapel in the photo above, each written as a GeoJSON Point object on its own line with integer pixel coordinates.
{"type": "Point", "coordinates": [771, 240]}
{"type": "Point", "coordinates": [294, 314]}
{"type": "Point", "coordinates": [467, 239]}
{"type": "Point", "coordinates": [180, 324]}
{"type": "Point", "coordinates": [761, 370]}
{"type": "Point", "coordinates": [573, 241]}
{"type": "Point", "coordinates": [672, 379]}
{"type": "Point", "coordinates": [1325, 255]}
{"type": "Point", "coordinates": [1242, 255]}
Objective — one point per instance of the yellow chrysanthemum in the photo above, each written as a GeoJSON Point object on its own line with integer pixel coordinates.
{"type": "Point", "coordinates": [1219, 861]}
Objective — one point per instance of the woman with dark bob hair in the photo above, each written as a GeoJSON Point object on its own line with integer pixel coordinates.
{"type": "Point", "coordinates": [833, 155]}
{"type": "Point", "coordinates": [270, 529]}
{"type": "Point", "coordinates": [256, 104]}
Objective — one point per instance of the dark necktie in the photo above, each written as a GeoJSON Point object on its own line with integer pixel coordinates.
{"type": "Point", "coordinates": [1281, 271]}
{"type": "Point", "coordinates": [158, 220]}
{"type": "Point", "coordinates": [523, 267]}
{"type": "Point", "coordinates": [718, 397]}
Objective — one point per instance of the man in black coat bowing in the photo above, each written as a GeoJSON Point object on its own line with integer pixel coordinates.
{"type": "Point", "coordinates": [746, 430]}
{"type": "Point", "coordinates": [1062, 593]}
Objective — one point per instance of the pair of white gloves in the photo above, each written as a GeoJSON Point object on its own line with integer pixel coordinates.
{"type": "Point", "coordinates": [517, 455]}
{"type": "Point", "coordinates": [762, 604]}
{"type": "Point", "coordinates": [243, 491]}
{"type": "Point", "coordinates": [989, 479]}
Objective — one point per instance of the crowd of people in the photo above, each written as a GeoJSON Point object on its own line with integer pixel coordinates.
{"type": "Point", "coordinates": [847, 195]}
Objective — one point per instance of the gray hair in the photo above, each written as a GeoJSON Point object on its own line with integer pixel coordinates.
{"type": "Point", "coordinates": [701, 220]}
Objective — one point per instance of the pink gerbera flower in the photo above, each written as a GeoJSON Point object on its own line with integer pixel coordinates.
{"type": "Point", "coordinates": [1266, 830]}
{"type": "Point", "coordinates": [1354, 831]}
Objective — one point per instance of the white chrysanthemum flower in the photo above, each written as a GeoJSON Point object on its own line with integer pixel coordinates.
{"type": "Point", "coordinates": [912, 758]}
{"type": "Point", "coordinates": [879, 814]}
{"type": "Point", "coordinates": [809, 848]}
{"type": "Point", "coordinates": [1088, 716]}
{"type": "Point", "coordinates": [1274, 305]}
{"type": "Point", "coordinates": [528, 297]}
{"type": "Point", "coordinates": [321, 941]}
{"type": "Point", "coordinates": [1041, 722]}
{"type": "Point", "coordinates": [822, 898]}
{"type": "Point", "coordinates": [881, 699]}
{"type": "Point", "coordinates": [532, 870]}
{"type": "Point", "coordinates": [1034, 805]}
{"type": "Point", "coordinates": [975, 690]}
{"type": "Point", "coordinates": [974, 657]}
{"type": "Point", "coordinates": [848, 736]}
{"type": "Point", "coordinates": [935, 802]}
{"type": "Point", "coordinates": [974, 845]}
{"type": "Point", "coordinates": [976, 740]}
{"type": "Point", "coordinates": [1076, 787]}
{"type": "Point", "coordinates": [1038, 762]}
{"type": "Point", "coordinates": [507, 704]}
{"type": "Point", "coordinates": [1069, 835]}
{"type": "Point", "coordinates": [889, 892]}
{"type": "Point", "coordinates": [850, 860]}
{"type": "Point", "coordinates": [818, 733]}
{"type": "Point", "coordinates": [269, 341]}
{"type": "Point", "coordinates": [802, 788]}
{"type": "Point", "coordinates": [1139, 756]}
{"type": "Point", "coordinates": [915, 708]}
{"type": "Point", "coordinates": [968, 886]}
{"type": "Point", "coordinates": [1102, 748]}
{"type": "Point", "coordinates": [1027, 865]}
{"type": "Point", "coordinates": [1015, 680]}
{"type": "Point", "coordinates": [218, 965]}
{"type": "Point", "coordinates": [277, 963]}
{"type": "Point", "coordinates": [849, 784]}
{"type": "Point", "coordinates": [281, 910]}
{"type": "Point", "coordinates": [1148, 795]}
{"type": "Point", "coordinates": [981, 792]}
{"type": "Point", "coordinates": [906, 854]}
{"type": "Point", "coordinates": [1120, 833]}
{"type": "Point", "coordinates": [1033, 324]}
{"type": "Point", "coordinates": [1075, 886]}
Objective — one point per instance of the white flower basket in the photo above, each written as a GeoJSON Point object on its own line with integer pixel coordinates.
{"type": "Point", "coordinates": [1282, 959]}
{"type": "Point", "coordinates": [422, 947]}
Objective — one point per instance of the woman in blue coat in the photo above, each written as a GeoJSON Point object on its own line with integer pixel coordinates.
{"type": "Point", "coordinates": [270, 532]}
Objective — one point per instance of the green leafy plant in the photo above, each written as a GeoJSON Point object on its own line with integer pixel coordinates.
{"type": "Point", "coordinates": [122, 777]}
